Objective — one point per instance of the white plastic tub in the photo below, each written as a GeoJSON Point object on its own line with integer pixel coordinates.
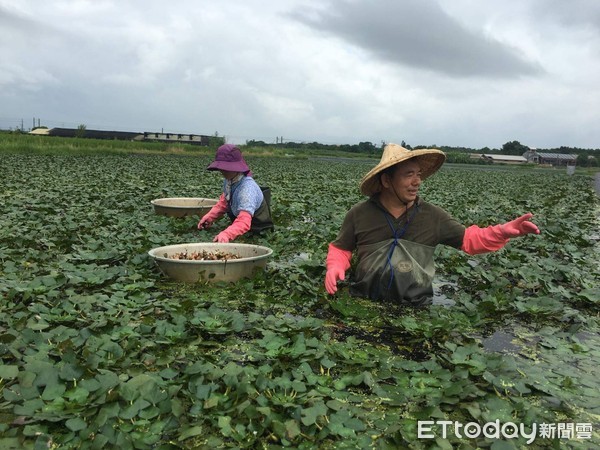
{"type": "Point", "coordinates": [183, 206]}
{"type": "Point", "coordinates": [251, 258]}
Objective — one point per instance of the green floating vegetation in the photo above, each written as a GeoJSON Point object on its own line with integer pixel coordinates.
{"type": "Point", "coordinates": [99, 350]}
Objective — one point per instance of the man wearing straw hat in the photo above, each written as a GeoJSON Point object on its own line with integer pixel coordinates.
{"type": "Point", "coordinates": [395, 232]}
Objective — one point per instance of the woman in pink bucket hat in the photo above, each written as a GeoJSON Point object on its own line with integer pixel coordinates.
{"type": "Point", "coordinates": [242, 199]}
{"type": "Point", "coordinates": [395, 232]}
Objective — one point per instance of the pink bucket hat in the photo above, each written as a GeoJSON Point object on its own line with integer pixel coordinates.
{"type": "Point", "coordinates": [229, 157]}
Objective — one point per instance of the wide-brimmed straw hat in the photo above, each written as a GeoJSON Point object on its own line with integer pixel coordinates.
{"type": "Point", "coordinates": [429, 159]}
{"type": "Point", "coordinates": [229, 158]}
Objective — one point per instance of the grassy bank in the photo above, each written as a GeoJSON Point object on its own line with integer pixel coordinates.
{"type": "Point", "coordinates": [42, 145]}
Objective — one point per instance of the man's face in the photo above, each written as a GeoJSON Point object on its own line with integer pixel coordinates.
{"type": "Point", "coordinates": [404, 182]}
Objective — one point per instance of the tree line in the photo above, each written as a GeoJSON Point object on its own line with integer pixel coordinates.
{"type": "Point", "coordinates": [585, 157]}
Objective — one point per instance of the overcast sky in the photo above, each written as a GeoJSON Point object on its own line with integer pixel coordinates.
{"type": "Point", "coordinates": [472, 73]}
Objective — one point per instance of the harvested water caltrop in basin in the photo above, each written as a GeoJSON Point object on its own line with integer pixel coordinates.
{"type": "Point", "coordinates": [194, 262]}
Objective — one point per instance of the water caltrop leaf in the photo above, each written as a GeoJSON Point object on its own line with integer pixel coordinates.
{"type": "Point", "coordinates": [77, 395]}
{"type": "Point", "coordinates": [310, 415]}
{"type": "Point", "coordinates": [292, 429]}
{"type": "Point", "coordinates": [9, 372]}
{"type": "Point", "coordinates": [70, 372]}
{"type": "Point", "coordinates": [53, 391]}
{"type": "Point", "coordinates": [29, 407]}
{"type": "Point", "coordinates": [190, 432]}
{"type": "Point", "coordinates": [46, 373]}
{"type": "Point", "coordinates": [107, 379]}
{"type": "Point", "coordinates": [76, 424]}
{"type": "Point", "coordinates": [168, 373]}
{"type": "Point", "coordinates": [142, 386]}
{"type": "Point", "coordinates": [343, 424]}
{"type": "Point", "coordinates": [90, 384]}
{"type": "Point", "coordinates": [225, 425]}
{"type": "Point", "coordinates": [502, 445]}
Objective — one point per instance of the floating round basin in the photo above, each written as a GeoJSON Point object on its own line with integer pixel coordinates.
{"type": "Point", "coordinates": [245, 259]}
{"type": "Point", "coordinates": [183, 206]}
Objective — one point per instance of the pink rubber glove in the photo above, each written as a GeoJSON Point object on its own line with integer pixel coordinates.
{"type": "Point", "coordinates": [483, 240]}
{"type": "Point", "coordinates": [338, 261]}
{"type": "Point", "coordinates": [215, 213]}
{"type": "Point", "coordinates": [520, 227]}
{"type": "Point", "coordinates": [240, 225]}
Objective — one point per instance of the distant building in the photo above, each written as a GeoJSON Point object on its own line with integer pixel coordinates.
{"type": "Point", "coordinates": [195, 139]}
{"type": "Point", "coordinates": [503, 159]}
{"type": "Point", "coordinates": [554, 159]}
{"type": "Point", "coordinates": [40, 131]}
{"type": "Point", "coordinates": [176, 137]}
{"type": "Point", "coordinates": [92, 134]}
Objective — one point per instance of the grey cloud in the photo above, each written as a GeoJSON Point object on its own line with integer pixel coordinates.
{"type": "Point", "coordinates": [574, 13]}
{"type": "Point", "coordinates": [26, 30]}
{"type": "Point", "coordinates": [418, 33]}
{"type": "Point", "coordinates": [11, 20]}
